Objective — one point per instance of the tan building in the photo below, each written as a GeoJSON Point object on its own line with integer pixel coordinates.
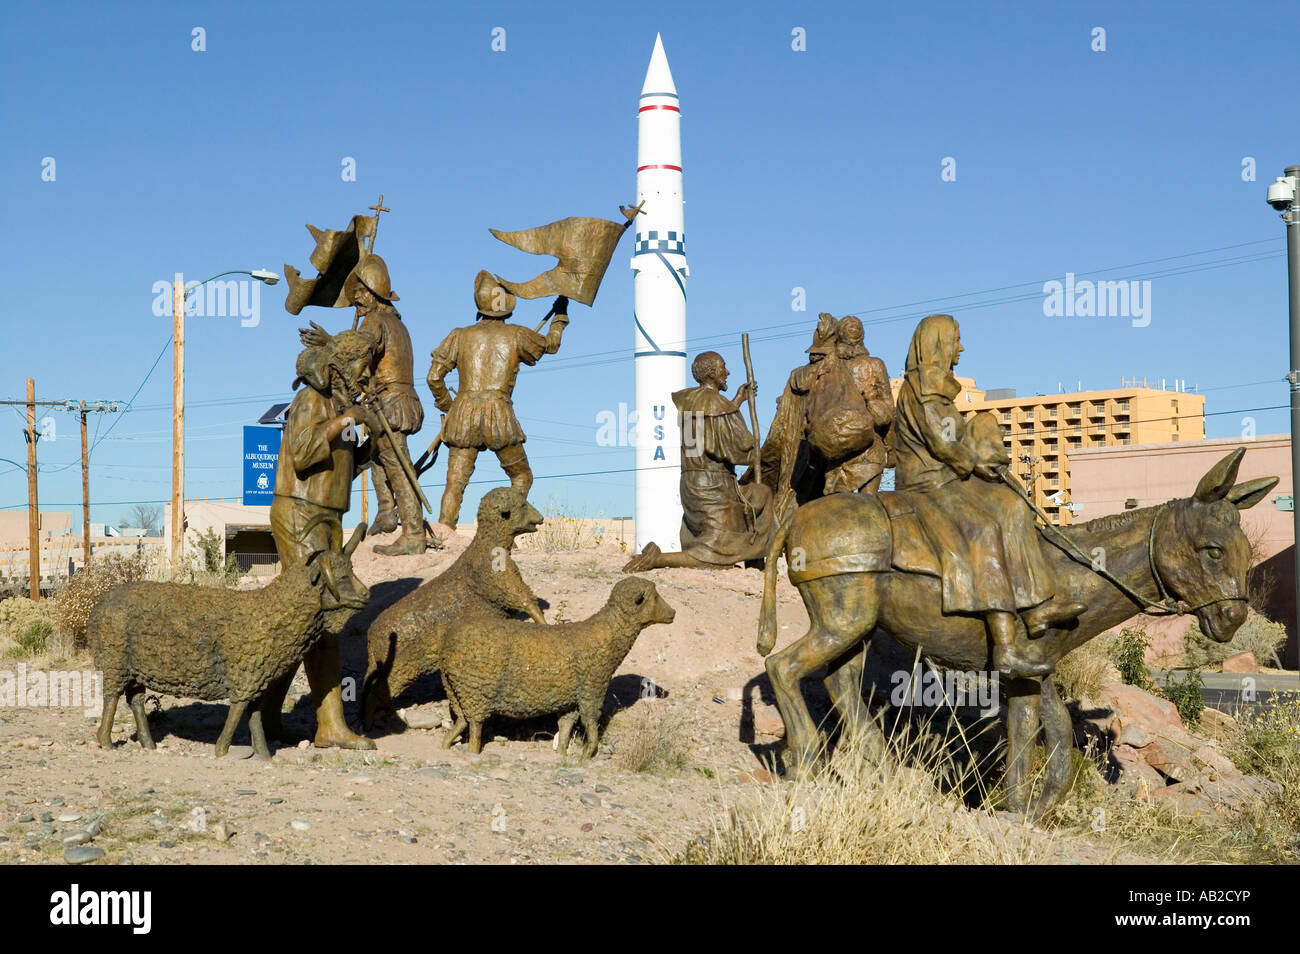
{"type": "Point", "coordinates": [1040, 432]}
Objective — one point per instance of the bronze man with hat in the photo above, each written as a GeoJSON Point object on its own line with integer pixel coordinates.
{"type": "Point", "coordinates": [486, 356]}
{"type": "Point", "coordinates": [392, 388]}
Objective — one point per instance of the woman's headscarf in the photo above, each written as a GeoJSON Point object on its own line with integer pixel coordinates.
{"type": "Point", "coordinates": [930, 357]}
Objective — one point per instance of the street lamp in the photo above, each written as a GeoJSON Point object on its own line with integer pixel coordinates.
{"type": "Point", "coordinates": [1284, 196]}
{"type": "Point", "coordinates": [178, 398]}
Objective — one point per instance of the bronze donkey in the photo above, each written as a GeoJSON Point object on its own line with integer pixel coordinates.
{"type": "Point", "coordinates": [1183, 556]}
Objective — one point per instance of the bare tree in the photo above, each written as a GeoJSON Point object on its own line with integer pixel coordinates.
{"type": "Point", "coordinates": [148, 516]}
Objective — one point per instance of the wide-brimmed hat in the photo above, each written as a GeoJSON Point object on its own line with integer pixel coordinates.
{"type": "Point", "coordinates": [491, 297]}
{"type": "Point", "coordinates": [371, 272]}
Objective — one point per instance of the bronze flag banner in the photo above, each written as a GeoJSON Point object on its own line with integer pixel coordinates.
{"type": "Point", "coordinates": [335, 256]}
{"type": "Point", "coordinates": [584, 247]}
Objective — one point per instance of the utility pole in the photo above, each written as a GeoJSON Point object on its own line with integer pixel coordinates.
{"type": "Point", "coordinates": [33, 514]}
{"type": "Point", "coordinates": [85, 493]}
{"type": "Point", "coordinates": [365, 497]}
{"type": "Point", "coordinates": [178, 421]}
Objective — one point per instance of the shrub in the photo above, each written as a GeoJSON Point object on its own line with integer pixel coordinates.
{"type": "Point", "coordinates": [73, 602]}
{"type": "Point", "coordinates": [17, 614]}
{"type": "Point", "coordinates": [1129, 653]}
{"type": "Point", "coordinates": [1258, 635]}
{"type": "Point", "coordinates": [1186, 696]}
{"type": "Point", "coordinates": [32, 640]}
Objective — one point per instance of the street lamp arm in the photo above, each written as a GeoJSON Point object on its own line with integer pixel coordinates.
{"type": "Point", "coordinates": [233, 271]}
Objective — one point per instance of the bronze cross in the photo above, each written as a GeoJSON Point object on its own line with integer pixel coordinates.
{"type": "Point", "coordinates": [378, 207]}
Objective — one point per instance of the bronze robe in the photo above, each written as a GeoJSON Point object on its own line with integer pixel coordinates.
{"type": "Point", "coordinates": [723, 521]}
{"type": "Point", "coordinates": [982, 533]}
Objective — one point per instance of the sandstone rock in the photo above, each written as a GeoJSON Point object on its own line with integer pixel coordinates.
{"type": "Point", "coordinates": [1140, 714]}
{"type": "Point", "coordinates": [767, 721]}
{"type": "Point", "coordinates": [1241, 662]}
{"type": "Point", "coordinates": [1214, 760]}
{"type": "Point", "coordinates": [1218, 725]}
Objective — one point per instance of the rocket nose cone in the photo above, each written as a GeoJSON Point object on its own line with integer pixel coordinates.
{"type": "Point", "coordinates": [658, 78]}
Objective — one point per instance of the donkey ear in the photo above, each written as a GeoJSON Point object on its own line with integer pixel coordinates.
{"type": "Point", "coordinates": [1219, 479]}
{"type": "Point", "coordinates": [1250, 492]}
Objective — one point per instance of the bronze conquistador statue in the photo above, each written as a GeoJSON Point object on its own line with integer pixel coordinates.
{"type": "Point", "coordinates": [486, 356]}
{"type": "Point", "coordinates": [725, 521]}
{"type": "Point", "coordinates": [392, 387]}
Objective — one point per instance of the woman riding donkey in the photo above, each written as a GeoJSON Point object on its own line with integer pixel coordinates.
{"type": "Point", "coordinates": [981, 531]}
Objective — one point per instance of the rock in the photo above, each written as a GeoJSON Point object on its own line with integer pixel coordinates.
{"type": "Point", "coordinates": [275, 800]}
{"type": "Point", "coordinates": [434, 771]}
{"type": "Point", "coordinates": [46, 817]}
{"type": "Point", "coordinates": [1134, 770]}
{"type": "Point", "coordinates": [240, 752]}
{"type": "Point", "coordinates": [420, 720]}
{"type": "Point", "coordinates": [1214, 760]}
{"type": "Point", "coordinates": [1172, 759]}
{"type": "Point", "coordinates": [761, 776]}
{"type": "Point", "coordinates": [568, 778]}
{"type": "Point", "coordinates": [70, 817]}
{"type": "Point", "coordinates": [767, 721]}
{"type": "Point", "coordinates": [602, 788]}
{"type": "Point", "coordinates": [304, 744]}
{"type": "Point", "coordinates": [77, 838]}
{"type": "Point", "coordinates": [1241, 662]}
{"type": "Point", "coordinates": [24, 819]}
{"type": "Point", "coordinates": [166, 844]}
{"type": "Point", "coordinates": [245, 791]}
{"type": "Point", "coordinates": [1141, 715]}
{"type": "Point", "coordinates": [587, 826]}
{"type": "Point", "coordinates": [82, 854]}
{"type": "Point", "coordinates": [1218, 725]}
{"type": "Point", "coordinates": [589, 798]}
{"type": "Point", "coordinates": [222, 831]}
{"type": "Point", "coordinates": [299, 825]}
{"type": "Point", "coordinates": [95, 827]}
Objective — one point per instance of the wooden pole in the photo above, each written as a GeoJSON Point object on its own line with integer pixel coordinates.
{"type": "Point", "coordinates": [178, 421]}
{"type": "Point", "coordinates": [365, 496]}
{"type": "Point", "coordinates": [85, 493]}
{"type": "Point", "coordinates": [753, 405]}
{"type": "Point", "coordinates": [33, 512]}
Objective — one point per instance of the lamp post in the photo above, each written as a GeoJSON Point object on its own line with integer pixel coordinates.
{"type": "Point", "coordinates": [1284, 196]}
{"type": "Point", "coordinates": [178, 398]}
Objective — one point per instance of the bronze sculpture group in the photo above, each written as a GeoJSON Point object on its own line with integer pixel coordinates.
{"type": "Point", "coordinates": [950, 563]}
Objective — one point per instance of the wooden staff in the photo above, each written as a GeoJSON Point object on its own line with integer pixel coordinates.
{"type": "Point", "coordinates": [753, 405]}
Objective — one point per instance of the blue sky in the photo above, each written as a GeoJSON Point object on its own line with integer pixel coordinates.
{"type": "Point", "coordinates": [815, 169]}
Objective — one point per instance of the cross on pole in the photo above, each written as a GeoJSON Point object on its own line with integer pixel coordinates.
{"type": "Point", "coordinates": [377, 208]}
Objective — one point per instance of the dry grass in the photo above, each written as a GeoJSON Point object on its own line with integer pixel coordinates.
{"type": "Point", "coordinates": [1083, 672]}
{"type": "Point", "coordinates": [651, 737]}
{"type": "Point", "coordinates": [901, 809]}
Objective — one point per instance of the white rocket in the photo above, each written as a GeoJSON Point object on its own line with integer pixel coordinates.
{"type": "Point", "coordinates": [659, 307]}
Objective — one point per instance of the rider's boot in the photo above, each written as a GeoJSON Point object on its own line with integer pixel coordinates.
{"type": "Point", "coordinates": [1040, 618]}
{"type": "Point", "coordinates": [1010, 659]}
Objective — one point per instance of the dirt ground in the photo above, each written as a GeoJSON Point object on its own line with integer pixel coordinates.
{"type": "Point", "coordinates": [411, 801]}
